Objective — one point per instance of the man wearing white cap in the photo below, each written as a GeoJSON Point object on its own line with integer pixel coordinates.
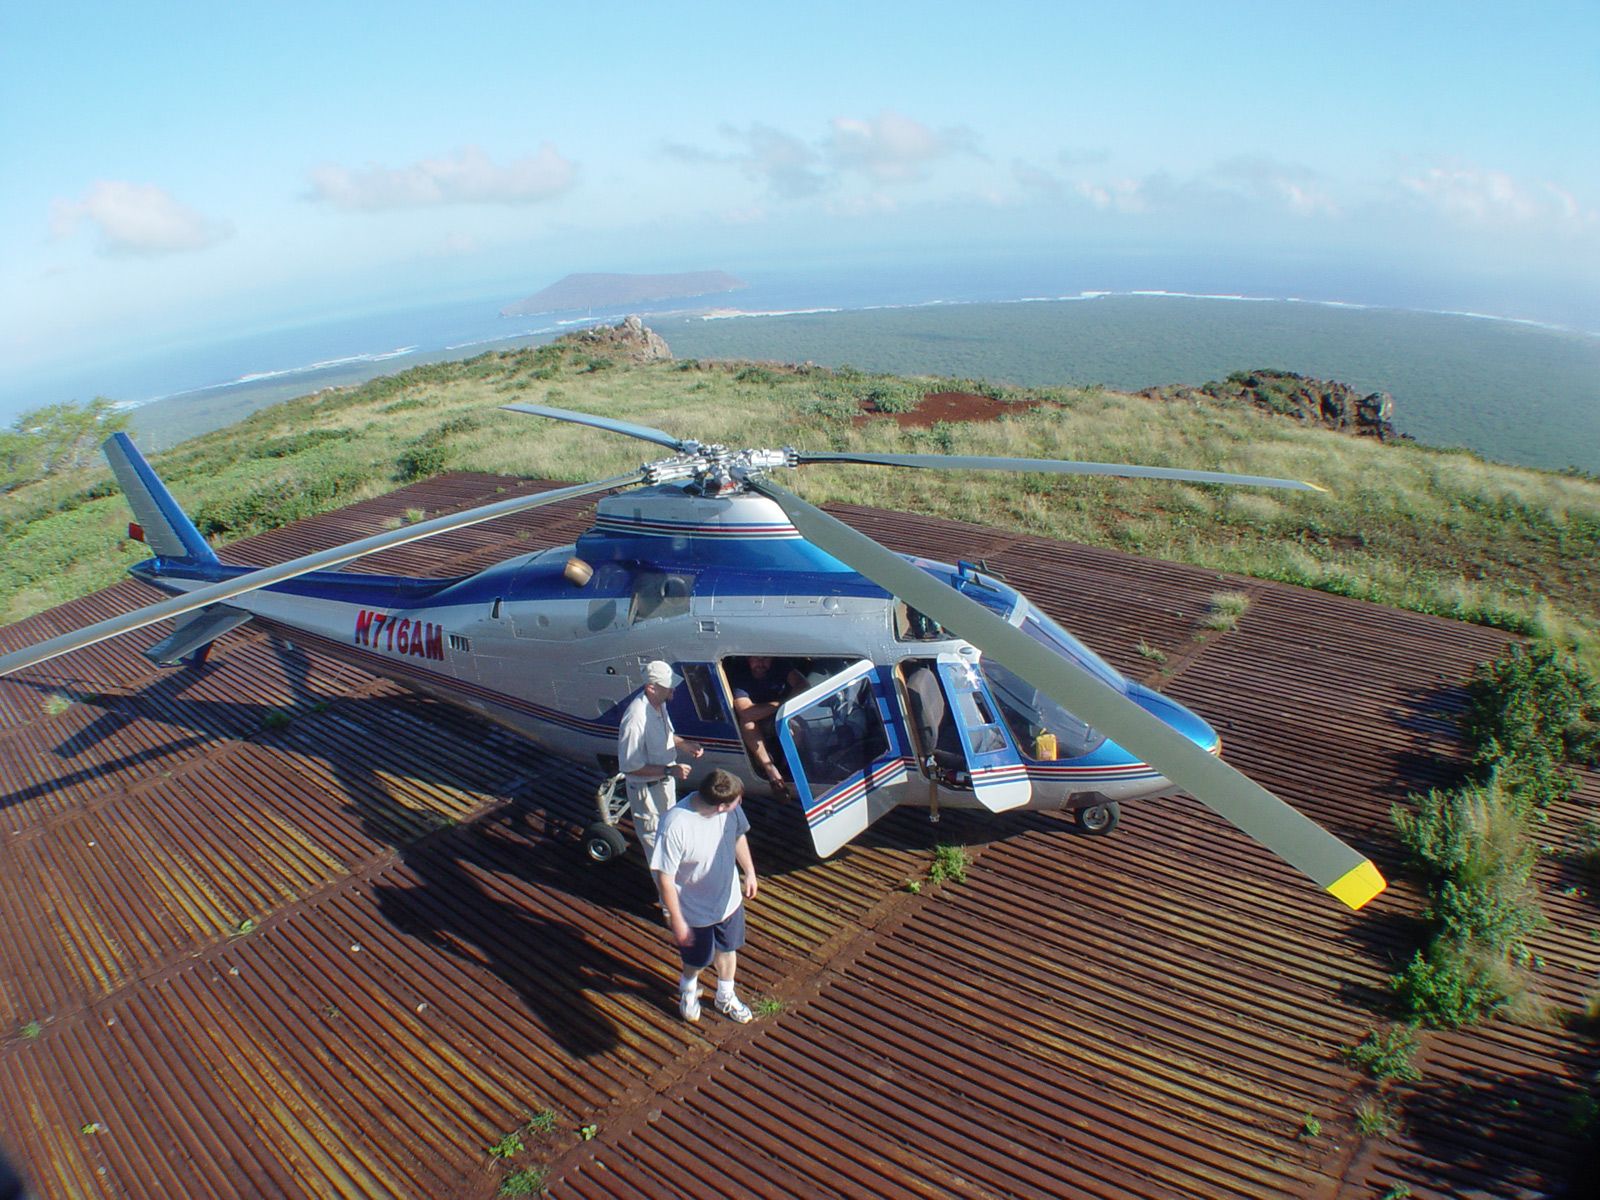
{"type": "Point", "coordinates": [647, 749]}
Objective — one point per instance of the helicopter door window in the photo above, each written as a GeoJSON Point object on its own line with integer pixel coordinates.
{"type": "Point", "coordinates": [839, 737]}
{"type": "Point", "coordinates": [660, 594]}
{"type": "Point", "coordinates": [702, 689]}
{"type": "Point", "coordinates": [983, 731]}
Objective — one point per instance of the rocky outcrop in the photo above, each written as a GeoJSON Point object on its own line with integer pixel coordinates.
{"type": "Point", "coordinates": [1313, 401]}
{"type": "Point", "coordinates": [629, 339]}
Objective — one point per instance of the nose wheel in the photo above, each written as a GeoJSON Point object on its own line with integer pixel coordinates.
{"type": "Point", "coordinates": [1097, 820]}
{"type": "Point", "coordinates": [602, 840]}
{"type": "Point", "coordinates": [604, 843]}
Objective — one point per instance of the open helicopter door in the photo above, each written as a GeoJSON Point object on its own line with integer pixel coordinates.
{"type": "Point", "coordinates": [999, 778]}
{"type": "Point", "coordinates": [844, 753]}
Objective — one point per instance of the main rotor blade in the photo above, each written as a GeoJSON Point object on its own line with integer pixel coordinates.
{"type": "Point", "coordinates": [1054, 466]}
{"type": "Point", "coordinates": [644, 432]}
{"type": "Point", "coordinates": [1287, 832]}
{"type": "Point", "coordinates": [304, 565]}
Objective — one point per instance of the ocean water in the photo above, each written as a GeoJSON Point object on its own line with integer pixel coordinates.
{"type": "Point", "coordinates": [203, 384]}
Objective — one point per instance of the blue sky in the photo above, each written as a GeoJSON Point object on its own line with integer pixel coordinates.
{"type": "Point", "coordinates": [175, 171]}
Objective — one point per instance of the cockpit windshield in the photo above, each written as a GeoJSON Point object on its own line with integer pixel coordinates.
{"type": "Point", "coordinates": [1035, 719]}
{"type": "Point", "coordinates": [1046, 632]}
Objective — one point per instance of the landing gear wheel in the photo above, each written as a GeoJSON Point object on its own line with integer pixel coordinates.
{"type": "Point", "coordinates": [1097, 820]}
{"type": "Point", "coordinates": [604, 843]}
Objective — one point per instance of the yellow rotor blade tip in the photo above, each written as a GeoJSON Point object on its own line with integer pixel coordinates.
{"type": "Point", "coordinates": [1358, 885]}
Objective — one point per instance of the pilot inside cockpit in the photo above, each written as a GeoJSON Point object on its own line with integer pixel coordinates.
{"type": "Point", "coordinates": [914, 626]}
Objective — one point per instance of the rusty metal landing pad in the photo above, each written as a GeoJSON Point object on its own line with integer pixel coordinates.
{"type": "Point", "coordinates": [277, 927]}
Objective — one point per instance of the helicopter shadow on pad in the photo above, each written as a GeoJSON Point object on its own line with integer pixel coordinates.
{"type": "Point", "coordinates": [457, 892]}
{"type": "Point", "coordinates": [442, 892]}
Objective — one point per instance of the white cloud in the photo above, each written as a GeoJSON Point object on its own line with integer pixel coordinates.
{"type": "Point", "coordinates": [1115, 195]}
{"type": "Point", "coordinates": [783, 163]}
{"type": "Point", "coordinates": [1037, 180]}
{"type": "Point", "coordinates": [1238, 185]}
{"type": "Point", "coordinates": [1276, 184]}
{"type": "Point", "coordinates": [459, 245]}
{"type": "Point", "coordinates": [891, 147]}
{"type": "Point", "coordinates": [1475, 196]}
{"type": "Point", "coordinates": [887, 149]}
{"type": "Point", "coordinates": [468, 178]}
{"type": "Point", "coordinates": [136, 219]}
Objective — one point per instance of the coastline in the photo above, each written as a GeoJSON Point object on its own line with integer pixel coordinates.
{"type": "Point", "coordinates": [1437, 364]}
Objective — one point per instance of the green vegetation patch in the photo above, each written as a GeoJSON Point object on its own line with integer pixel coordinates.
{"type": "Point", "coordinates": [1532, 710]}
{"type": "Point", "coordinates": [1387, 1053]}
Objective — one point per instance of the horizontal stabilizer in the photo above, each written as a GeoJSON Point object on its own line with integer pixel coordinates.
{"type": "Point", "coordinates": [166, 528]}
{"type": "Point", "coordinates": [195, 631]}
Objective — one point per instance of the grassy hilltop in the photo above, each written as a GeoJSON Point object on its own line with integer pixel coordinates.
{"type": "Point", "coordinates": [1437, 531]}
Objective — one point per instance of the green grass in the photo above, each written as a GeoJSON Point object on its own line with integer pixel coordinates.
{"type": "Point", "coordinates": [526, 1182]}
{"type": "Point", "coordinates": [1375, 1118]}
{"type": "Point", "coordinates": [1387, 1054]}
{"type": "Point", "coordinates": [508, 1146]}
{"type": "Point", "coordinates": [1152, 653]}
{"type": "Point", "coordinates": [949, 864]}
{"type": "Point", "coordinates": [1434, 531]}
{"type": "Point", "coordinates": [542, 1123]}
{"type": "Point", "coordinates": [1225, 609]}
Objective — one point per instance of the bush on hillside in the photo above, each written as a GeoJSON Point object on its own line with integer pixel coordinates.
{"type": "Point", "coordinates": [1530, 712]}
{"type": "Point", "coordinates": [57, 437]}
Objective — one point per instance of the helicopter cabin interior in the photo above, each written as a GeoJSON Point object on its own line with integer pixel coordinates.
{"type": "Point", "coordinates": [835, 731]}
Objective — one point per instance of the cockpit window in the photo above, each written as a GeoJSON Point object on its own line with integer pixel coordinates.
{"type": "Point", "coordinates": [1035, 719]}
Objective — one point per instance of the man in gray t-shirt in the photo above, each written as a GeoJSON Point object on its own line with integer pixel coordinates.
{"type": "Point", "coordinates": [700, 848]}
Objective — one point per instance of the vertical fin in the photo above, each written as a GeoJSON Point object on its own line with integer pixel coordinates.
{"type": "Point", "coordinates": [167, 530]}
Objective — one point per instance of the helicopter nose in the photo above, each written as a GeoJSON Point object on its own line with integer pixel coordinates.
{"type": "Point", "coordinates": [1177, 716]}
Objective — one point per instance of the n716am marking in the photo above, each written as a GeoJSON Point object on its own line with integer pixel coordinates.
{"type": "Point", "coordinates": [399, 635]}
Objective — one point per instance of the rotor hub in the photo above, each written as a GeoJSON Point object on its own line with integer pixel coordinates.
{"type": "Point", "coordinates": [716, 469]}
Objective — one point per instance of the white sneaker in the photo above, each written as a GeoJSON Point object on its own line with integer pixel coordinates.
{"type": "Point", "coordinates": [689, 1005]}
{"type": "Point", "coordinates": [734, 1009]}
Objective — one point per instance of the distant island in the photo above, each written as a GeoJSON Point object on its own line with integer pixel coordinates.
{"type": "Point", "coordinates": [588, 291]}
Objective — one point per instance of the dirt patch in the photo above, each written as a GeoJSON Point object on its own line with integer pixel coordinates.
{"type": "Point", "coordinates": [948, 406]}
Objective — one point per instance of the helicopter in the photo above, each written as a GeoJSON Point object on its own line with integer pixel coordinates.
{"type": "Point", "coordinates": [701, 559]}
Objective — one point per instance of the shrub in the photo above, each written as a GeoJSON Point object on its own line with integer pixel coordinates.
{"type": "Point", "coordinates": [893, 397]}
{"type": "Point", "coordinates": [277, 503]}
{"type": "Point", "coordinates": [1387, 1053]}
{"type": "Point", "coordinates": [422, 461]}
{"type": "Point", "coordinates": [1529, 712]}
{"type": "Point", "coordinates": [1450, 985]}
{"type": "Point", "coordinates": [294, 443]}
{"type": "Point", "coordinates": [1469, 833]}
{"type": "Point", "coordinates": [1497, 913]}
